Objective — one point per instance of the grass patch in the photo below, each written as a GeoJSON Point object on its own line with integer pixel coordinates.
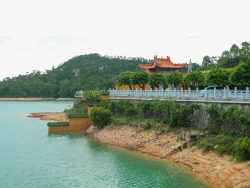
{"type": "Point", "coordinates": [221, 142]}
{"type": "Point", "coordinates": [135, 119]}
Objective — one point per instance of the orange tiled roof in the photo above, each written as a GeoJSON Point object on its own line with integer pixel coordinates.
{"type": "Point", "coordinates": [162, 63]}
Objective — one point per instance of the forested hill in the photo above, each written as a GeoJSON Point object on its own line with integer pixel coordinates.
{"type": "Point", "coordinates": [84, 72]}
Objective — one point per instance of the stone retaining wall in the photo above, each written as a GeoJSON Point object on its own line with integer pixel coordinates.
{"type": "Point", "coordinates": [200, 118]}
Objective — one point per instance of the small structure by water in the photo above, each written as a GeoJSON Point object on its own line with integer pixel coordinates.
{"type": "Point", "coordinates": [77, 122]}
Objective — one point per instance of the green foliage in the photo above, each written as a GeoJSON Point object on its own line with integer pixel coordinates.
{"type": "Point", "coordinates": [179, 117]}
{"type": "Point", "coordinates": [233, 117]}
{"type": "Point", "coordinates": [123, 107]}
{"type": "Point", "coordinates": [208, 62]}
{"type": "Point", "coordinates": [221, 142]}
{"type": "Point", "coordinates": [234, 56]}
{"type": "Point", "coordinates": [139, 78]}
{"type": "Point", "coordinates": [174, 78]}
{"type": "Point", "coordinates": [226, 143]}
{"type": "Point", "coordinates": [156, 79]}
{"type": "Point", "coordinates": [148, 126]}
{"type": "Point", "coordinates": [170, 111]}
{"type": "Point", "coordinates": [124, 78]}
{"type": "Point", "coordinates": [240, 75]}
{"type": "Point", "coordinates": [218, 76]}
{"type": "Point", "coordinates": [228, 59]}
{"type": "Point", "coordinates": [214, 116]}
{"type": "Point", "coordinates": [92, 96]}
{"type": "Point", "coordinates": [242, 149]}
{"type": "Point", "coordinates": [84, 72]}
{"type": "Point", "coordinates": [100, 117]}
{"type": "Point", "coordinates": [81, 106]}
{"type": "Point", "coordinates": [105, 104]}
{"type": "Point", "coordinates": [236, 117]}
{"type": "Point", "coordinates": [193, 77]}
{"type": "Point", "coordinates": [157, 109]}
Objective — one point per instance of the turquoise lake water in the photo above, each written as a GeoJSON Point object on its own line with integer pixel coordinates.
{"type": "Point", "coordinates": [31, 157]}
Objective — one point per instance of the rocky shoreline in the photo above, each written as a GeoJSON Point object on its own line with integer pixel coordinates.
{"type": "Point", "coordinates": [209, 167]}
{"type": "Point", "coordinates": [53, 116]}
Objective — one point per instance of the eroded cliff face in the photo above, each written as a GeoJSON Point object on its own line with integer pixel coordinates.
{"type": "Point", "coordinates": [212, 169]}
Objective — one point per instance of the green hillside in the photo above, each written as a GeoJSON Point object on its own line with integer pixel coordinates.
{"type": "Point", "coordinates": [84, 72]}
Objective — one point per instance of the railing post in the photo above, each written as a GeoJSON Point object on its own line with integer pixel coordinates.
{"type": "Point", "coordinates": [197, 91]}
{"type": "Point", "coordinates": [224, 93]}
{"type": "Point", "coordinates": [247, 92]}
{"type": "Point", "coordinates": [182, 92]}
{"type": "Point", "coordinates": [174, 92]}
{"type": "Point", "coordinates": [235, 92]}
{"type": "Point", "coordinates": [205, 92]}
{"type": "Point", "coordinates": [214, 92]}
{"type": "Point", "coordinates": [150, 92]}
{"type": "Point", "coordinates": [156, 92]}
{"type": "Point", "coordinates": [189, 92]}
{"type": "Point", "coordinates": [136, 92]}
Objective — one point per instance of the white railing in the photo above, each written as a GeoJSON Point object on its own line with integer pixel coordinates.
{"type": "Point", "coordinates": [81, 93]}
{"type": "Point", "coordinates": [205, 94]}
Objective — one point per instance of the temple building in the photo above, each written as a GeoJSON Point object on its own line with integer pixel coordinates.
{"type": "Point", "coordinates": [162, 65]}
{"type": "Point", "coordinates": [159, 65]}
{"type": "Point", "coordinates": [165, 66]}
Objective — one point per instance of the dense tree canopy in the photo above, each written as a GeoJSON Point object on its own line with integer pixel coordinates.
{"type": "Point", "coordinates": [174, 78]}
{"type": "Point", "coordinates": [193, 77]}
{"type": "Point", "coordinates": [84, 72]}
{"type": "Point", "coordinates": [241, 75]}
{"type": "Point", "coordinates": [218, 76]}
{"type": "Point", "coordinates": [139, 78]}
{"type": "Point", "coordinates": [124, 78]}
{"type": "Point", "coordinates": [157, 79]}
{"type": "Point", "coordinates": [229, 58]}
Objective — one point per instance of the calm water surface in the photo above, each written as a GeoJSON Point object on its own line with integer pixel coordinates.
{"type": "Point", "coordinates": [30, 157]}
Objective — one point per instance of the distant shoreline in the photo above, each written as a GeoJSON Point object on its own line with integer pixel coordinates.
{"type": "Point", "coordinates": [36, 99]}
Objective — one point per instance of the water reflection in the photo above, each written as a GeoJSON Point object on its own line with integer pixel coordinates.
{"type": "Point", "coordinates": [71, 135]}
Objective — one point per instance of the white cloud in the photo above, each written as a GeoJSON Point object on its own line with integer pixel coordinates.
{"type": "Point", "coordinates": [41, 34]}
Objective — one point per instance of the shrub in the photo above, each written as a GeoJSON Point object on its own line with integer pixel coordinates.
{"type": "Point", "coordinates": [92, 96]}
{"type": "Point", "coordinates": [236, 117]}
{"type": "Point", "coordinates": [148, 126]}
{"type": "Point", "coordinates": [81, 105]}
{"type": "Point", "coordinates": [180, 115]}
{"type": "Point", "coordinates": [214, 116]}
{"type": "Point", "coordinates": [224, 140]}
{"type": "Point", "coordinates": [157, 109]}
{"type": "Point", "coordinates": [100, 117]}
{"type": "Point", "coordinates": [242, 149]}
{"type": "Point", "coordinates": [105, 104]}
{"type": "Point", "coordinates": [122, 107]}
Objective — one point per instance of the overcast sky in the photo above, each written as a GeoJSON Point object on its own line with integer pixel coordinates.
{"type": "Point", "coordinates": [39, 34]}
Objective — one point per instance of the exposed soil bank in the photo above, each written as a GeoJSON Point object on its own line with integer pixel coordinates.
{"type": "Point", "coordinates": [212, 169]}
{"type": "Point", "coordinates": [33, 99]}
{"type": "Point", "coordinates": [55, 116]}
